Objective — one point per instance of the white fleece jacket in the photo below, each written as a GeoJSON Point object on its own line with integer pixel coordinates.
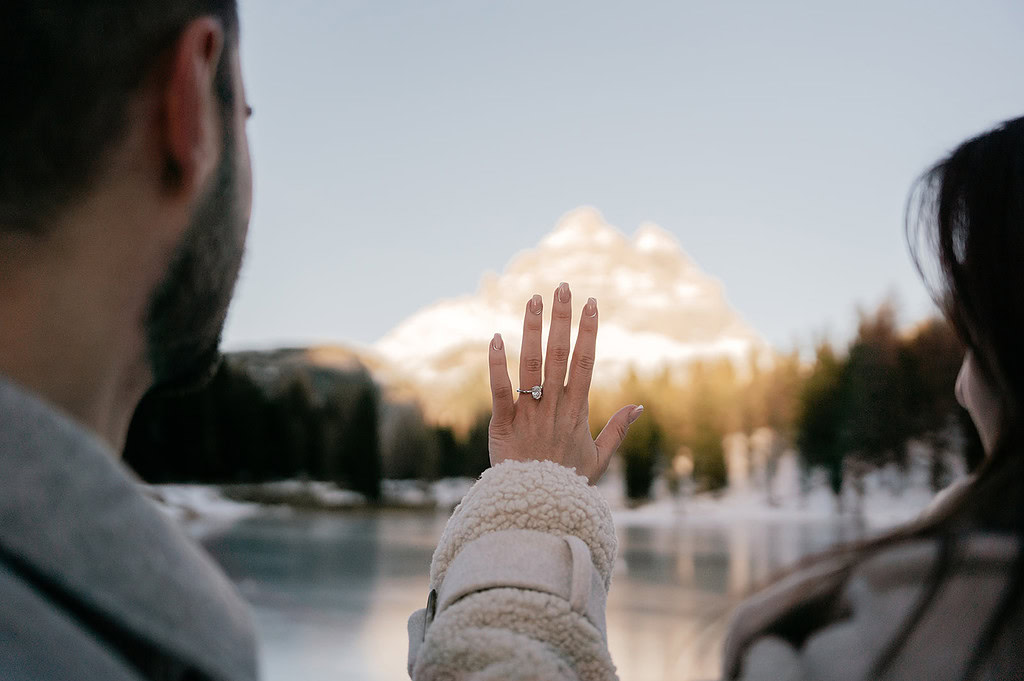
{"type": "Point", "coordinates": [511, 633]}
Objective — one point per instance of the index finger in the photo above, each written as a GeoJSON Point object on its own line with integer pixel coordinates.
{"type": "Point", "coordinates": [582, 370]}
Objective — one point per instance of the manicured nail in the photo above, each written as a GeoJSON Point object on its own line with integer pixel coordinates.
{"type": "Point", "coordinates": [536, 304]}
{"type": "Point", "coordinates": [635, 414]}
{"type": "Point", "coordinates": [563, 293]}
{"type": "Point", "coordinates": [497, 343]}
{"type": "Point", "coordinates": [590, 309]}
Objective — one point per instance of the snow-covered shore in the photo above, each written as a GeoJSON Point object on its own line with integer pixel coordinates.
{"type": "Point", "coordinates": [882, 506]}
{"type": "Point", "coordinates": [881, 510]}
{"type": "Point", "coordinates": [208, 509]}
{"type": "Point", "coordinates": [205, 510]}
{"type": "Point", "coordinates": [202, 510]}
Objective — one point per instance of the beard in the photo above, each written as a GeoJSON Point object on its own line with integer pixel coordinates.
{"type": "Point", "coordinates": [187, 310]}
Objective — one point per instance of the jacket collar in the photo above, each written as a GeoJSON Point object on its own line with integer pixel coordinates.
{"type": "Point", "coordinates": [71, 511]}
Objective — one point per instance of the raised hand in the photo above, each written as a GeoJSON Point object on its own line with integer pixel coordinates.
{"type": "Point", "coordinates": [556, 427]}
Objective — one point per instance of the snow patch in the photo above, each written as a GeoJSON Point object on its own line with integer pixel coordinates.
{"type": "Point", "coordinates": [884, 506]}
{"type": "Point", "coordinates": [583, 227]}
{"type": "Point", "coordinates": [649, 350]}
{"type": "Point", "coordinates": [651, 238]}
{"type": "Point", "coordinates": [202, 510]}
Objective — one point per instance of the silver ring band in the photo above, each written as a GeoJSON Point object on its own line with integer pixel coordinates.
{"type": "Point", "coordinates": [536, 392]}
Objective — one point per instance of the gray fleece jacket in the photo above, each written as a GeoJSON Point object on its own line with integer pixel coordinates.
{"type": "Point", "coordinates": [520, 576]}
{"type": "Point", "coordinates": [95, 583]}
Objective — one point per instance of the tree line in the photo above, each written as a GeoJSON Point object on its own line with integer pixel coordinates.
{"type": "Point", "coordinates": [845, 412]}
{"type": "Point", "coordinates": [277, 419]}
{"type": "Point", "coordinates": [274, 416]}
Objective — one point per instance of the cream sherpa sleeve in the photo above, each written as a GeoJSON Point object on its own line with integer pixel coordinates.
{"type": "Point", "coordinates": [518, 582]}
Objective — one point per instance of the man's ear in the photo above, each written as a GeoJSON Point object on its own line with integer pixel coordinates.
{"type": "Point", "coordinates": [191, 130]}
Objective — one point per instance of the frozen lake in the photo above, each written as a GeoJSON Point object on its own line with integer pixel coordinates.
{"type": "Point", "coordinates": [331, 592]}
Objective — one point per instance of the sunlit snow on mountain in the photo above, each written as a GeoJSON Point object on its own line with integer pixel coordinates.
{"type": "Point", "coordinates": [657, 307]}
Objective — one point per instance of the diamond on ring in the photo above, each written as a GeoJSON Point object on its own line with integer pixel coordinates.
{"type": "Point", "coordinates": [536, 392]}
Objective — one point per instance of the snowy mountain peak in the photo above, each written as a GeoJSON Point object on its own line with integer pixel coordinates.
{"type": "Point", "coordinates": [651, 238]}
{"type": "Point", "coordinates": [583, 227]}
{"type": "Point", "coordinates": [657, 307]}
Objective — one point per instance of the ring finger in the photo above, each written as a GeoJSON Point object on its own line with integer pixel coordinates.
{"type": "Point", "coordinates": [530, 357]}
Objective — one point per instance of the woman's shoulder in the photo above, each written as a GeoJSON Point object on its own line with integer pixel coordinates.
{"type": "Point", "coordinates": [913, 561]}
{"type": "Point", "coordinates": [805, 599]}
{"type": "Point", "coordinates": [834, 613]}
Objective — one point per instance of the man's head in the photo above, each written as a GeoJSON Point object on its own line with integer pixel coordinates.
{"type": "Point", "coordinates": [131, 112]}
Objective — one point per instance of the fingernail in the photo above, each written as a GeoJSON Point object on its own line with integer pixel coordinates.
{"type": "Point", "coordinates": [536, 304]}
{"type": "Point", "coordinates": [563, 293]}
{"type": "Point", "coordinates": [497, 343]}
{"type": "Point", "coordinates": [591, 307]}
{"type": "Point", "coordinates": [635, 414]}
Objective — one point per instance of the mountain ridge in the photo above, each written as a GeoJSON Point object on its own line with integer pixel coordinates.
{"type": "Point", "coordinates": [658, 308]}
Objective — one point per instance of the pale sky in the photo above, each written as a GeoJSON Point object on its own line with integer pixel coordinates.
{"type": "Point", "coordinates": [404, 147]}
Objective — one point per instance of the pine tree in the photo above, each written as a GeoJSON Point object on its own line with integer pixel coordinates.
{"type": "Point", "coordinates": [822, 411]}
{"type": "Point", "coordinates": [360, 446]}
{"type": "Point", "coordinates": [640, 453]}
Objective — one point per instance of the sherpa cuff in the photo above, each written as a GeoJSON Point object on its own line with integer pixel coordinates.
{"type": "Point", "coordinates": [530, 495]}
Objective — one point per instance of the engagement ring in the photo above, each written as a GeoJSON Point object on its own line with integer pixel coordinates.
{"type": "Point", "coordinates": [537, 391]}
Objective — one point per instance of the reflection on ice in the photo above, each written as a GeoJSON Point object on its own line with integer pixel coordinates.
{"type": "Point", "coordinates": [676, 586]}
{"type": "Point", "coordinates": [332, 592]}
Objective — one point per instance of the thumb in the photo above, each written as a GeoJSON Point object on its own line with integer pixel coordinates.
{"type": "Point", "coordinates": [615, 432]}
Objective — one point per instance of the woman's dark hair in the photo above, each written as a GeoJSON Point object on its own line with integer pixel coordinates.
{"type": "Point", "coordinates": [67, 71]}
{"type": "Point", "coordinates": [965, 226]}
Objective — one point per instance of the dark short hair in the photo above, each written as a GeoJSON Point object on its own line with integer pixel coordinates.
{"type": "Point", "coordinates": [68, 69]}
